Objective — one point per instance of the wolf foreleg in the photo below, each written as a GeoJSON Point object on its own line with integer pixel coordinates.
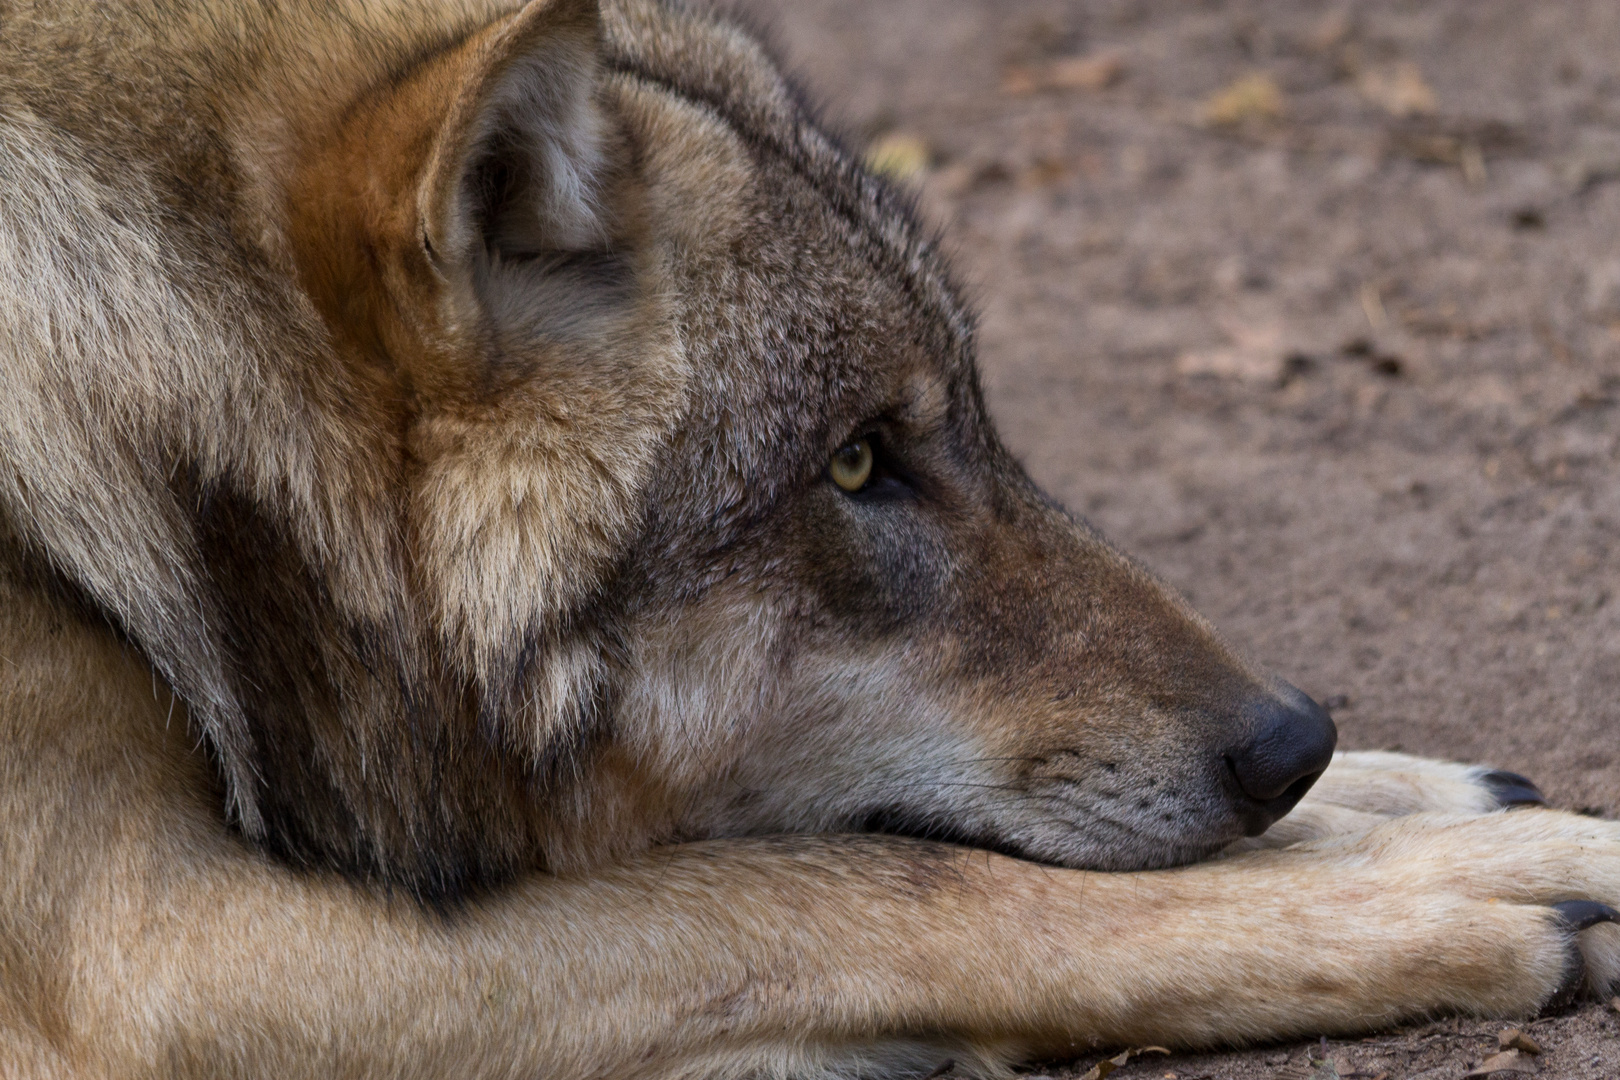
{"type": "Point", "coordinates": [139, 937]}
{"type": "Point", "coordinates": [818, 957]}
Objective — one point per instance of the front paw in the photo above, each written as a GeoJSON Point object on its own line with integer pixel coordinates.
{"type": "Point", "coordinates": [1592, 975]}
{"type": "Point", "coordinates": [1391, 785]}
{"type": "Point", "coordinates": [1521, 902]}
{"type": "Point", "coordinates": [1362, 789]}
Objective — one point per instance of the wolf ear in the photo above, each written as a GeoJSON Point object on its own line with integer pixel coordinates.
{"type": "Point", "coordinates": [516, 169]}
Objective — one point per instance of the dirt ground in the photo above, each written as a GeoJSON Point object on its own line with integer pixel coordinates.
{"type": "Point", "coordinates": [1316, 309]}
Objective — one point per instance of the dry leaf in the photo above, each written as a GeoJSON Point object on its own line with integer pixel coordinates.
{"type": "Point", "coordinates": [1255, 96]}
{"type": "Point", "coordinates": [1090, 73]}
{"type": "Point", "coordinates": [1256, 352]}
{"type": "Point", "coordinates": [1085, 72]}
{"type": "Point", "coordinates": [1019, 80]}
{"type": "Point", "coordinates": [964, 177]}
{"type": "Point", "coordinates": [1514, 1039]}
{"type": "Point", "coordinates": [1229, 362]}
{"type": "Point", "coordinates": [899, 156]}
{"type": "Point", "coordinates": [1303, 1069]}
{"type": "Point", "coordinates": [1508, 1061]}
{"type": "Point", "coordinates": [1398, 89]}
{"type": "Point", "coordinates": [1106, 1066]}
{"type": "Point", "coordinates": [1332, 29]}
{"type": "Point", "coordinates": [1043, 172]}
{"type": "Point", "coordinates": [1435, 148]}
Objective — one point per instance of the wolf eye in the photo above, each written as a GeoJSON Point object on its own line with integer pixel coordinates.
{"type": "Point", "coordinates": [851, 465]}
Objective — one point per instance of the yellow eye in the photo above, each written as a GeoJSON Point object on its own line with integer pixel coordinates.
{"type": "Point", "coordinates": [851, 465]}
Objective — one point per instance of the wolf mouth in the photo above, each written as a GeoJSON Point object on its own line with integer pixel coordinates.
{"type": "Point", "coordinates": [899, 821]}
{"type": "Point", "coordinates": [1102, 842]}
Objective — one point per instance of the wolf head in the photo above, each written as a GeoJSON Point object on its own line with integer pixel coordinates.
{"type": "Point", "coordinates": [630, 482]}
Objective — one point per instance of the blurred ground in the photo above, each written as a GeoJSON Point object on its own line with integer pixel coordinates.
{"type": "Point", "coordinates": [1315, 309]}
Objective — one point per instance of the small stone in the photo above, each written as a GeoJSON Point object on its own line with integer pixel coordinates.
{"type": "Point", "coordinates": [1089, 73]}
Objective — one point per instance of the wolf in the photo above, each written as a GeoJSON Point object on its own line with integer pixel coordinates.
{"type": "Point", "coordinates": [507, 572]}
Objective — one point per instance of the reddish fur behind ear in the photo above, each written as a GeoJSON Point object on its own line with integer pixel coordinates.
{"type": "Point", "coordinates": [531, 395]}
{"type": "Point", "coordinates": [355, 228]}
{"type": "Point", "coordinates": [384, 209]}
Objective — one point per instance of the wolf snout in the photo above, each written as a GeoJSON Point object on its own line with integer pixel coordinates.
{"type": "Point", "coordinates": [1290, 742]}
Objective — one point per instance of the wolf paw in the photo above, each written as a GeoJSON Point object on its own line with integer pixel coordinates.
{"type": "Point", "coordinates": [1392, 785]}
{"type": "Point", "coordinates": [1363, 789]}
{"type": "Point", "coordinates": [1556, 876]}
{"type": "Point", "coordinates": [1578, 915]}
{"type": "Point", "coordinates": [1501, 914]}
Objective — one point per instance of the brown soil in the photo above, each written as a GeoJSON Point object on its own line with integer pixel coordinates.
{"type": "Point", "coordinates": [1346, 370]}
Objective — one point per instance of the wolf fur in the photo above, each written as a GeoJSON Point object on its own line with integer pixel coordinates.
{"type": "Point", "coordinates": [432, 644]}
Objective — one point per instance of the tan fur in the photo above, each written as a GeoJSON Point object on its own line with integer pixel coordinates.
{"type": "Point", "coordinates": [430, 644]}
{"type": "Point", "coordinates": [191, 956]}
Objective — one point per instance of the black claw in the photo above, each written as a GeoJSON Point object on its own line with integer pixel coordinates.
{"type": "Point", "coordinates": [1574, 979]}
{"type": "Point", "coordinates": [1579, 914]}
{"type": "Point", "coordinates": [1512, 790]}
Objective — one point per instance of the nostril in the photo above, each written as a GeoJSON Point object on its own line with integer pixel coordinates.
{"type": "Point", "coordinates": [1290, 743]}
{"type": "Point", "coordinates": [1290, 795]}
{"type": "Point", "coordinates": [1296, 791]}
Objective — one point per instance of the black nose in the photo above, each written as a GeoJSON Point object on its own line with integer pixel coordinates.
{"type": "Point", "coordinates": [1290, 741]}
